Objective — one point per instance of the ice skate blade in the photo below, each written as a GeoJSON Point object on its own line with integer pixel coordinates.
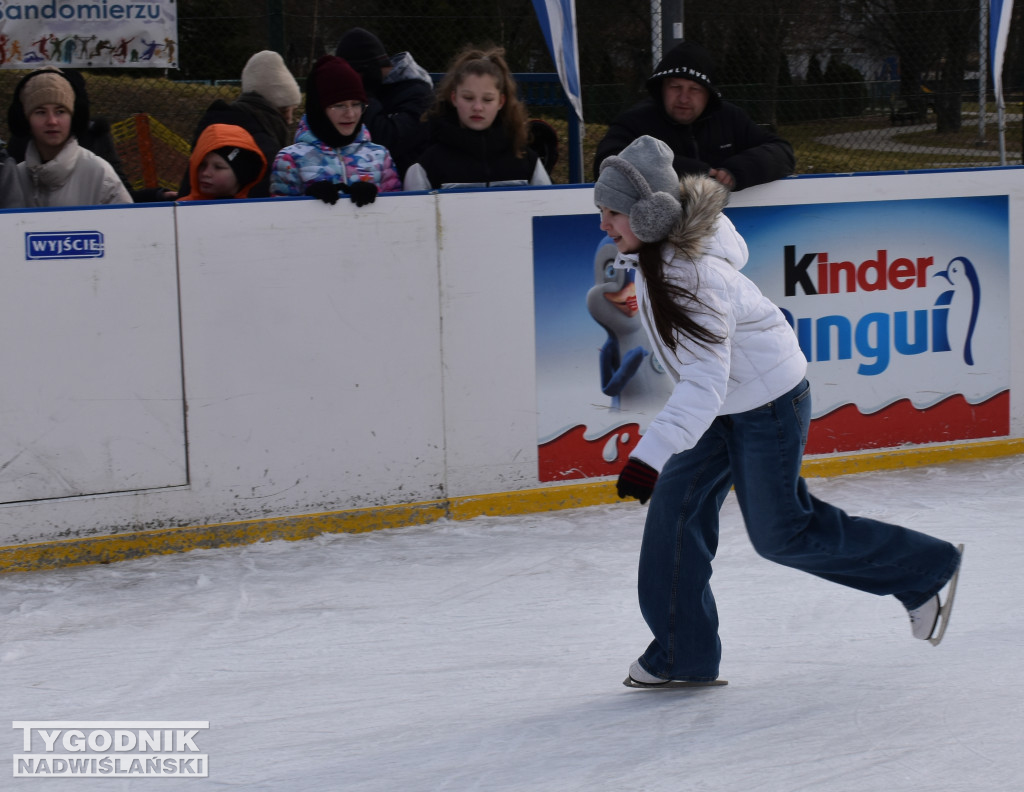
{"type": "Point", "coordinates": [672, 684]}
{"type": "Point", "coordinates": [947, 607]}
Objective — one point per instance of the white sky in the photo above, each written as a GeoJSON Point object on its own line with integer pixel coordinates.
{"type": "Point", "coordinates": [489, 655]}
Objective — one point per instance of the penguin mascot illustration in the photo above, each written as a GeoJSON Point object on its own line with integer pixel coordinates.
{"type": "Point", "coordinates": [630, 373]}
{"type": "Point", "coordinates": [964, 279]}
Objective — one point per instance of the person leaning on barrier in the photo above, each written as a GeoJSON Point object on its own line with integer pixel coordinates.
{"type": "Point", "coordinates": [225, 163]}
{"type": "Point", "coordinates": [50, 109]}
{"type": "Point", "coordinates": [265, 109]}
{"type": "Point", "coordinates": [398, 92]}
{"type": "Point", "coordinates": [332, 153]}
{"type": "Point", "coordinates": [707, 134]}
{"type": "Point", "coordinates": [479, 131]}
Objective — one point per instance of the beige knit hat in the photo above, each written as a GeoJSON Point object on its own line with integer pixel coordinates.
{"type": "Point", "coordinates": [266, 74]}
{"type": "Point", "coordinates": [50, 86]}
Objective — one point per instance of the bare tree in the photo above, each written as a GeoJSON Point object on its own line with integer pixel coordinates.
{"type": "Point", "coordinates": [960, 32]}
{"type": "Point", "coordinates": [931, 39]}
{"type": "Point", "coordinates": [750, 41]}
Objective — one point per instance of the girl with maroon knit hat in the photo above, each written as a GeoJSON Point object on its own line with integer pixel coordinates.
{"type": "Point", "coordinates": [333, 152]}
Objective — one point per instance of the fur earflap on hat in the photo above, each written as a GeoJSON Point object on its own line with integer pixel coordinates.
{"type": "Point", "coordinates": [641, 183]}
{"type": "Point", "coordinates": [266, 74]}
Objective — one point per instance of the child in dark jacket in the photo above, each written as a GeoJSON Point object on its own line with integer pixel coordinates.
{"type": "Point", "coordinates": [479, 130]}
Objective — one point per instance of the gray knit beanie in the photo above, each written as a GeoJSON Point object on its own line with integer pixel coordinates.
{"type": "Point", "coordinates": [266, 74]}
{"type": "Point", "coordinates": [641, 183]}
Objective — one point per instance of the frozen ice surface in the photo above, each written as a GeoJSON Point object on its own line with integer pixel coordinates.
{"type": "Point", "coordinates": [489, 655]}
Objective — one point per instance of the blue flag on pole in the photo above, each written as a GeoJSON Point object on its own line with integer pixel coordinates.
{"type": "Point", "coordinates": [558, 22]}
{"type": "Point", "coordinates": [998, 30]}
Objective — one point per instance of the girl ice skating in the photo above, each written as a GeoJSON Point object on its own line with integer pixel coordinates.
{"type": "Point", "coordinates": [737, 416]}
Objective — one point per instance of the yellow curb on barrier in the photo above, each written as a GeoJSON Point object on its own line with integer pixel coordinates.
{"type": "Point", "coordinates": [111, 548]}
{"type": "Point", "coordinates": [138, 544]}
{"type": "Point", "coordinates": [918, 456]}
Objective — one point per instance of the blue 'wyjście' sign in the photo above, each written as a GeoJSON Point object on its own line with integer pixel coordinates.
{"type": "Point", "coordinates": [63, 245]}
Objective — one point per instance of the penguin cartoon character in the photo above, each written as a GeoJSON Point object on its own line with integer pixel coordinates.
{"type": "Point", "coordinates": [964, 279]}
{"type": "Point", "coordinates": [630, 373]}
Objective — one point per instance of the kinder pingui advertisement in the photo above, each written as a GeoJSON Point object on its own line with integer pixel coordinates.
{"type": "Point", "coordinates": [901, 308]}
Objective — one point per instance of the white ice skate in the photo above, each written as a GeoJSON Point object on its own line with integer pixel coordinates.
{"type": "Point", "coordinates": [929, 622]}
{"type": "Point", "coordinates": [639, 678]}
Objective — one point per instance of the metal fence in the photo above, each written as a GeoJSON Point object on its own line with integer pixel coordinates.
{"type": "Point", "coordinates": [859, 85]}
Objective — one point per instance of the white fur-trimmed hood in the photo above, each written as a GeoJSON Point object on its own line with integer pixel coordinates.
{"type": "Point", "coordinates": [703, 200]}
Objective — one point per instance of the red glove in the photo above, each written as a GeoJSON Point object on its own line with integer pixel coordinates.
{"type": "Point", "coordinates": [637, 480]}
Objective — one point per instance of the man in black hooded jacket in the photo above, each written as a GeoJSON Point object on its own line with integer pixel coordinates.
{"type": "Point", "coordinates": [707, 134]}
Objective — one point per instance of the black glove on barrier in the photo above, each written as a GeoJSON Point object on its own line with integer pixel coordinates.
{"type": "Point", "coordinates": [324, 190]}
{"type": "Point", "coordinates": [637, 480]}
{"type": "Point", "coordinates": [362, 192]}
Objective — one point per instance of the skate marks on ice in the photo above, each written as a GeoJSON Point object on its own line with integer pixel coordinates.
{"type": "Point", "coordinates": [490, 654]}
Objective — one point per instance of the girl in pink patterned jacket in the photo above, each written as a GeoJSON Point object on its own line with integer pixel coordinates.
{"type": "Point", "coordinates": [333, 152]}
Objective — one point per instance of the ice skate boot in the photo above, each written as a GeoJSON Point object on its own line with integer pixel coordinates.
{"type": "Point", "coordinates": [929, 621]}
{"type": "Point", "coordinates": [639, 678]}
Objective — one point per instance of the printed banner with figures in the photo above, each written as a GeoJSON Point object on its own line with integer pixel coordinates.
{"type": "Point", "coordinates": [94, 34]}
{"type": "Point", "coordinates": [901, 308]}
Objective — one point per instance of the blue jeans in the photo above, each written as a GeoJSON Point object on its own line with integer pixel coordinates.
{"type": "Point", "coordinates": [760, 453]}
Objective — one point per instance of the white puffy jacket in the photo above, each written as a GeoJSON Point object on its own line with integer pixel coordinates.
{"type": "Point", "coordinates": [75, 177]}
{"type": "Point", "coordinates": [760, 358]}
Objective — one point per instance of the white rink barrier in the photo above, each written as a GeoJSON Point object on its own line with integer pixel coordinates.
{"type": "Point", "coordinates": [191, 375]}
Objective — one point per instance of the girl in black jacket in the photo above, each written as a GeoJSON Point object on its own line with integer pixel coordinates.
{"type": "Point", "coordinates": [479, 131]}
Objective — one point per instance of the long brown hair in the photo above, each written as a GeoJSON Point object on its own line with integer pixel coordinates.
{"type": "Point", "coordinates": [489, 62]}
{"type": "Point", "coordinates": [672, 305]}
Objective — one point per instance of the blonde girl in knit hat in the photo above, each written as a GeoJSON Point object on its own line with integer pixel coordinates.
{"type": "Point", "coordinates": [736, 418]}
{"type": "Point", "coordinates": [50, 109]}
